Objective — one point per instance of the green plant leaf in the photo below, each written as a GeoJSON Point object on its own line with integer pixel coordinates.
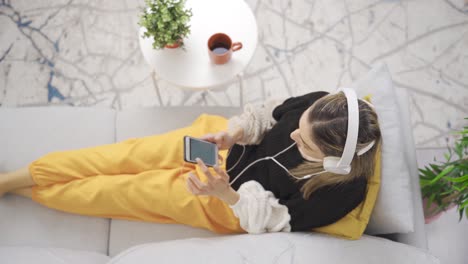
{"type": "Point", "coordinates": [459, 179]}
{"type": "Point", "coordinates": [435, 168]}
{"type": "Point", "coordinates": [459, 150]}
{"type": "Point", "coordinates": [424, 182]}
{"type": "Point", "coordinates": [428, 172]}
{"type": "Point", "coordinates": [447, 156]}
{"type": "Point", "coordinates": [166, 21]}
{"type": "Point", "coordinates": [443, 173]}
{"type": "Point", "coordinates": [464, 131]}
{"type": "Point", "coordinates": [446, 192]}
{"type": "Point", "coordinates": [463, 205]}
{"type": "Point", "coordinates": [464, 185]}
{"type": "Point", "coordinates": [430, 201]}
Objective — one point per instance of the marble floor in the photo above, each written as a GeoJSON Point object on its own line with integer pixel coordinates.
{"type": "Point", "coordinates": [86, 53]}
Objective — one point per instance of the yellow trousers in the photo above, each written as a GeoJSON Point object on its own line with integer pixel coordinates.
{"type": "Point", "coordinates": [141, 179]}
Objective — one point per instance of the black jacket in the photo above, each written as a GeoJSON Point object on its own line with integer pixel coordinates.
{"type": "Point", "coordinates": [326, 205]}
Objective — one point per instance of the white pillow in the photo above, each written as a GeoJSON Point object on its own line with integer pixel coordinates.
{"type": "Point", "coordinates": [393, 212]}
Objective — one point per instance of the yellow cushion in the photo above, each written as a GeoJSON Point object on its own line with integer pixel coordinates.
{"type": "Point", "coordinates": [367, 98]}
{"type": "Point", "coordinates": [352, 225]}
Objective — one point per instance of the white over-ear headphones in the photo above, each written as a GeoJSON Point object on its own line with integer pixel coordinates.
{"type": "Point", "coordinates": [337, 165]}
{"type": "Point", "coordinates": [342, 165]}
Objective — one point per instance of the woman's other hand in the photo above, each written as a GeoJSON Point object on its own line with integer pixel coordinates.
{"type": "Point", "coordinates": [217, 185]}
{"type": "Point", "coordinates": [223, 140]}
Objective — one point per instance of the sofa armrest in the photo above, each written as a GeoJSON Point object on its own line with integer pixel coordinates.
{"type": "Point", "coordinates": [276, 248]}
{"type": "Point", "coordinates": [418, 237]}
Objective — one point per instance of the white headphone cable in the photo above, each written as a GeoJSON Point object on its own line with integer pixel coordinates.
{"type": "Point", "coordinates": [255, 162]}
{"type": "Point", "coordinates": [243, 151]}
{"type": "Point", "coordinates": [270, 158]}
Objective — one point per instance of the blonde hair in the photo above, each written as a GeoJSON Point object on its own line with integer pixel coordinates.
{"type": "Point", "coordinates": [329, 123]}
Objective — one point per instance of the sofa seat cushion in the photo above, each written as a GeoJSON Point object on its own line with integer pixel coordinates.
{"type": "Point", "coordinates": [27, 255]}
{"type": "Point", "coordinates": [144, 122]}
{"type": "Point", "coordinates": [276, 248]}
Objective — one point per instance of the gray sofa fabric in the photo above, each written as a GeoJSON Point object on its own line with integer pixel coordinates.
{"type": "Point", "coordinates": [28, 255]}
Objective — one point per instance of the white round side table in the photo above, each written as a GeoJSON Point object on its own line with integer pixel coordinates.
{"type": "Point", "coordinates": [190, 67]}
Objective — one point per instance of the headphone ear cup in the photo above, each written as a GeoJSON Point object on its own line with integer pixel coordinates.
{"type": "Point", "coordinates": [330, 164]}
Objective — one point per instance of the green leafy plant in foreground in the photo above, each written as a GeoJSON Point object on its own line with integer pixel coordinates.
{"type": "Point", "coordinates": [446, 183]}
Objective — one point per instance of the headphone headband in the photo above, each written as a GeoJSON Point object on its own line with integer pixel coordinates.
{"type": "Point", "coordinates": [353, 128]}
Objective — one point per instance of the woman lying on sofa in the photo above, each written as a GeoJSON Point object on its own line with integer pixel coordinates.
{"type": "Point", "coordinates": [303, 165]}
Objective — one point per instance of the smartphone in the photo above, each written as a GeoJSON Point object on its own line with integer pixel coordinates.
{"type": "Point", "coordinates": [197, 148]}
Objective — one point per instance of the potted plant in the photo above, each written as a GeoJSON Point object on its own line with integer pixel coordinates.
{"type": "Point", "coordinates": [445, 184]}
{"type": "Point", "coordinates": [166, 22]}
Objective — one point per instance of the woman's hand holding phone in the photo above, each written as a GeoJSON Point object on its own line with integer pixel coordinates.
{"type": "Point", "coordinates": [217, 184]}
{"type": "Point", "coordinates": [223, 139]}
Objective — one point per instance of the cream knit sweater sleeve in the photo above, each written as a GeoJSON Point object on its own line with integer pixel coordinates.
{"type": "Point", "coordinates": [259, 211]}
{"type": "Point", "coordinates": [255, 121]}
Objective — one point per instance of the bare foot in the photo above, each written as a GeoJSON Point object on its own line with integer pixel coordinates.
{"type": "Point", "coordinates": [3, 188]}
{"type": "Point", "coordinates": [2, 191]}
{"type": "Point", "coordinates": [25, 192]}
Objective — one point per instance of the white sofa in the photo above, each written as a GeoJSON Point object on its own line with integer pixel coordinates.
{"type": "Point", "coordinates": [32, 233]}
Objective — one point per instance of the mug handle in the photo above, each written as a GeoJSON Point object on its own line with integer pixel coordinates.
{"type": "Point", "coordinates": [236, 46]}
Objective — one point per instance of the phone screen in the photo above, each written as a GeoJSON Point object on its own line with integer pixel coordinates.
{"type": "Point", "coordinates": [204, 150]}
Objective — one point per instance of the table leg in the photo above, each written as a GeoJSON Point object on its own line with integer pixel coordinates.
{"type": "Point", "coordinates": [212, 96]}
{"type": "Point", "coordinates": [154, 77]}
{"type": "Point", "coordinates": [240, 78]}
{"type": "Point", "coordinates": [207, 92]}
{"type": "Point", "coordinates": [241, 89]}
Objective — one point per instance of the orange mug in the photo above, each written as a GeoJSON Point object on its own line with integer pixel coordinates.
{"type": "Point", "coordinates": [220, 48]}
